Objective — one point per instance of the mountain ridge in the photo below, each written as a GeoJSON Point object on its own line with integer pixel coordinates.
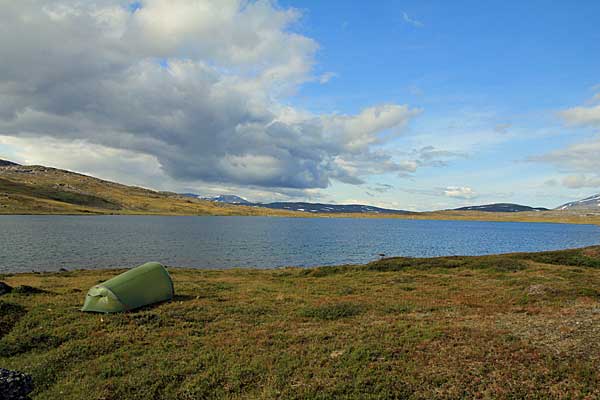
{"type": "Point", "coordinates": [330, 208]}
{"type": "Point", "coordinates": [501, 207]}
{"type": "Point", "coordinates": [358, 208]}
{"type": "Point", "coordinates": [589, 203]}
{"type": "Point", "coordinates": [302, 206]}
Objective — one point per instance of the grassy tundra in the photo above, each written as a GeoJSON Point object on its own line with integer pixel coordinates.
{"type": "Point", "coordinates": [507, 326]}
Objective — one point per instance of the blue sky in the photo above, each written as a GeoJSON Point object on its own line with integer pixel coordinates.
{"type": "Point", "coordinates": [512, 54]}
{"type": "Point", "coordinates": [406, 104]}
{"type": "Point", "coordinates": [472, 67]}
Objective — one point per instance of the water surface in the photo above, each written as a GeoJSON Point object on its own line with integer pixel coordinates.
{"type": "Point", "coordinates": [51, 242]}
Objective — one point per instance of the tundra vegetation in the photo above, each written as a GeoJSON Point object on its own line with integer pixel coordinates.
{"type": "Point", "coordinates": [503, 327]}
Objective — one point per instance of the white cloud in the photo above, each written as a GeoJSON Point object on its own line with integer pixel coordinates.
{"type": "Point", "coordinates": [460, 192]}
{"type": "Point", "coordinates": [587, 116]}
{"type": "Point", "coordinates": [584, 116]}
{"type": "Point", "coordinates": [581, 181]}
{"type": "Point", "coordinates": [357, 132]}
{"type": "Point", "coordinates": [195, 86]}
{"type": "Point", "coordinates": [381, 188]}
{"type": "Point", "coordinates": [580, 157]}
{"type": "Point", "coordinates": [412, 21]}
{"type": "Point", "coordinates": [326, 77]}
{"type": "Point", "coordinates": [502, 128]}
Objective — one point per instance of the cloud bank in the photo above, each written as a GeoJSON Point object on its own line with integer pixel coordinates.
{"type": "Point", "coordinates": [198, 87]}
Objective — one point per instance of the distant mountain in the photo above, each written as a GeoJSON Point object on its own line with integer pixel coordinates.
{"type": "Point", "coordinates": [5, 163]}
{"type": "Point", "coordinates": [224, 198]}
{"type": "Point", "coordinates": [303, 206]}
{"type": "Point", "coordinates": [330, 208]}
{"type": "Point", "coordinates": [501, 207]}
{"type": "Point", "coordinates": [227, 198]}
{"type": "Point", "coordinates": [589, 203]}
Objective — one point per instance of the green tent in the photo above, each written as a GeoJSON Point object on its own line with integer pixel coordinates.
{"type": "Point", "coordinates": [147, 284]}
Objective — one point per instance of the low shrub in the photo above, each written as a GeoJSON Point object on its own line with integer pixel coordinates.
{"type": "Point", "coordinates": [10, 314]}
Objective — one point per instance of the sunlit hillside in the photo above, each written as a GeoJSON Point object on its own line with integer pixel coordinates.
{"type": "Point", "coordinates": [43, 190]}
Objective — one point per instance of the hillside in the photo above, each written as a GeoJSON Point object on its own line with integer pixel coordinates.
{"type": "Point", "coordinates": [496, 327]}
{"type": "Point", "coordinates": [501, 207]}
{"type": "Point", "coordinates": [589, 203]}
{"type": "Point", "coordinates": [44, 190]}
{"type": "Point", "coordinates": [4, 163]}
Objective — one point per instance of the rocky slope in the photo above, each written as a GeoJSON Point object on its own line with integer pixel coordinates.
{"type": "Point", "coordinates": [589, 203]}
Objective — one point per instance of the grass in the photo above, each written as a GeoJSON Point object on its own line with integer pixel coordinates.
{"type": "Point", "coordinates": [498, 327]}
{"type": "Point", "coordinates": [331, 312]}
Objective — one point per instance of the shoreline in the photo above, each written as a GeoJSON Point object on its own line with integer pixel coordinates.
{"type": "Point", "coordinates": [120, 269]}
{"type": "Point", "coordinates": [556, 217]}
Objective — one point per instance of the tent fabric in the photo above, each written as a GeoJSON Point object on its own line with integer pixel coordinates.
{"type": "Point", "coordinates": [140, 286]}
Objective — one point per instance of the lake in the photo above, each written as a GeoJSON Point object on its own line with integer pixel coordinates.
{"type": "Point", "coordinates": [46, 243]}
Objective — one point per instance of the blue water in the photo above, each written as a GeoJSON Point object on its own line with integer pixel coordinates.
{"type": "Point", "coordinates": [45, 243]}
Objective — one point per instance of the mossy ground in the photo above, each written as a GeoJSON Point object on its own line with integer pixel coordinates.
{"type": "Point", "coordinates": [497, 327]}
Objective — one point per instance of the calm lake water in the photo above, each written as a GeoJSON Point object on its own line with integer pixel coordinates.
{"type": "Point", "coordinates": [51, 242]}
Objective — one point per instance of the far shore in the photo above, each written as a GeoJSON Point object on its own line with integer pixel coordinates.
{"type": "Point", "coordinates": [554, 216]}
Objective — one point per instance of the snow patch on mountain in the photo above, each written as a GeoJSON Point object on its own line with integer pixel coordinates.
{"type": "Point", "coordinates": [589, 203]}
